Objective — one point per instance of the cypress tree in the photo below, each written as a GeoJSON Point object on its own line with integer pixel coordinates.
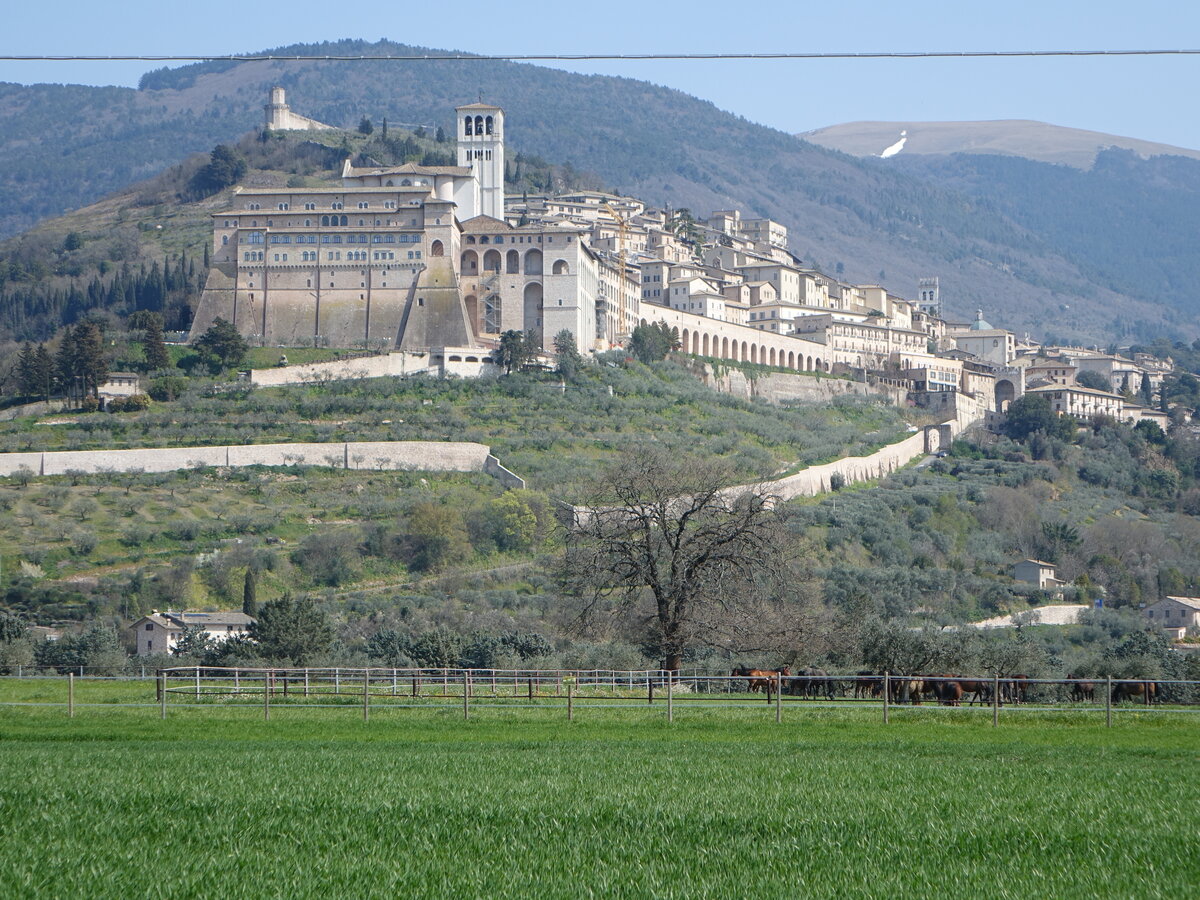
{"type": "Point", "coordinates": [153, 345]}
{"type": "Point", "coordinates": [250, 593]}
{"type": "Point", "coordinates": [44, 372]}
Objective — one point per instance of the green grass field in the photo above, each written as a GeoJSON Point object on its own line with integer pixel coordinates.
{"type": "Point", "coordinates": [517, 803]}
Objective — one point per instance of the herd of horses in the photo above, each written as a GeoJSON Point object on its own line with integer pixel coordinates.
{"type": "Point", "coordinates": [946, 689]}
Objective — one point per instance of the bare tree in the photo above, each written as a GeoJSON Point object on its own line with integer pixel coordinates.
{"type": "Point", "coordinates": [670, 547]}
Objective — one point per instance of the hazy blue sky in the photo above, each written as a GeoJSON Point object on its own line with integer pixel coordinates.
{"type": "Point", "coordinates": [1151, 98]}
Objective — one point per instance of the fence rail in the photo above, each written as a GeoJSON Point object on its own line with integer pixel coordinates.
{"type": "Point", "coordinates": [577, 690]}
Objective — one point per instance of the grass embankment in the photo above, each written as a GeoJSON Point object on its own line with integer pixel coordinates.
{"type": "Point", "coordinates": [552, 437]}
{"type": "Point", "coordinates": [513, 804]}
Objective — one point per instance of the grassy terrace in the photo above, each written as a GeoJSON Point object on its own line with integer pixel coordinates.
{"type": "Point", "coordinates": [550, 436]}
{"type": "Point", "coordinates": [314, 803]}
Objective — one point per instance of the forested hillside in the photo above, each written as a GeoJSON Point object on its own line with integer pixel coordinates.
{"type": "Point", "coordinates": [1131, 221]}
{"type": "Point", "coordinates": [846, 215]}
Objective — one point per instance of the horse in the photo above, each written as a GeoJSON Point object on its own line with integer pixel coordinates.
{"type": "Point", "coordinates": [1129, 690]}
{"type": "Point", "coordinates": [1082, 690]}
{"type": "Point", "coordinates": [761, 679]}
{"type": "Point", "coordinates": [977, 689]}
{"type": "Point", "coordinates": [867, 684]}
{"type": "Point", "coordinates": [1016, 689]}
{"type": "Point", "coordinates": [813, 683]}
{"type": "Point", "coordinates": [946, 691]}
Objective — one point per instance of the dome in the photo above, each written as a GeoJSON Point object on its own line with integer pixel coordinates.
{"type": "Point", "coordinates": [980, 324]}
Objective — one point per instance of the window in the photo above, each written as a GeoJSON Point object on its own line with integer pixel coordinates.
{"type": "Point", "coordinates": [149, 626]}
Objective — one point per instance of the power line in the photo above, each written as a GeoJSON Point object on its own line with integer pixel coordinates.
{"type": "Point", "coordinates": [576, 57]}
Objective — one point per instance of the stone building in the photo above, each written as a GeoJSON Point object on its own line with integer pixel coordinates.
{"type": "Point", "coordinates": [158, 633]}
{"type": "Point", "coordinates": [1176, 614]}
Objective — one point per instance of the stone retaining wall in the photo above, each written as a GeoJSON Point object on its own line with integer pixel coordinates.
{"type": "Point", "coordinates": [434, 456]}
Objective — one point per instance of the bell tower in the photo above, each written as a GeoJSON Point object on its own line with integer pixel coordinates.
{"type": "Point", "coordinates": [481, 148]}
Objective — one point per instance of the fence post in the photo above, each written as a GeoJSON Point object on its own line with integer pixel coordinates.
{"type": "Point", "coordinates": [162, 692]}
{"type": "Point", "coordinates": [995, 699]}
{"type": "Point", "coordinates": [393, 682]}
{"type": "Point", "coordinates": [649, 689]}
{"type": "Point", "coordinates": [570, 701]}
{"type": "Point", "coordinates": [778, 699]}
{"type": "Point", "coordinates": [267, 696]}
{"type": "Point", "coordinates": [887, 694]}
{"type": "Point", "coordinates": [197, 682]}
{"type": "Point", "coordinates": [670, 696]}
{"type": "Point", "coordinates": [1146, 691]}
{"type": "Point", "coordinates": [337, 680]}
{"type": "Point", "coordinates": [466, 694]}
{"type": "Point", "coordinates": [70, 695]}
{"type": "Point", "coordinates": [1108, 703]}
{"type": "Point", "coordinates": [530, 690]}
{"type": "Point", "coordinates": [366, 695]}
{"type": "Point", "coordinates": [306, 681]}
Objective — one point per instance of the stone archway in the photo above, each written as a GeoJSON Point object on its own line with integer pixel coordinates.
{"type": "Point", "coordinates": [1006, 392]}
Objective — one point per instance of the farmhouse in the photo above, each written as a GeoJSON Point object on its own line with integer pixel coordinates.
{"type": "Point", "coordinates": [160, 632]}
{"type": "Point", "coordinates": [1034, 571]}
{"type": "Point", "coordinates": [1180, 615]}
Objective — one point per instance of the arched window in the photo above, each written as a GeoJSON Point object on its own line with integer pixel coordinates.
{"type": "Point", "coordinates": [489, 124]}
{"type": "Point", "coordinates": [467, 125]}
{"type": "Point", "coordinates": [533, 262]}
{"type": "Point", "coordinates": [470, 263]}
{"type": "Point", "coordinates": [513, 266]}
{"type": "Point", "coordinates": [479, 124]}
{"type": "Point", "coordinates": [561, 267]}
{"type": "Point", "coordinates": [344, 221]}
{"type": "Point", "coordinates": [408, 182]}
{"type": "Point", "coordinates": [390, 183]}
{"type": "Point", "coordinates": [436, 249]}
{"type": "Point", "coordinates": [491, 261]}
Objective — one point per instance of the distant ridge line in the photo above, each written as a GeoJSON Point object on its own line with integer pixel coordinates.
{"type": "Point", "coordinates": [533, 57]}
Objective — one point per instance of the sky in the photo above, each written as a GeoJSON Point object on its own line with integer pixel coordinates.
{"type": "Point", "coordinates": [1151, 98]}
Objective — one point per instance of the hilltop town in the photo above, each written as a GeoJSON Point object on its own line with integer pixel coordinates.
{"type": "Point", "coordinates": [436, 263]}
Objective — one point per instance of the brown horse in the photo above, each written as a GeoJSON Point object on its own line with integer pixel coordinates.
{"type": "Point", "coordinates": [1082, 690]}
{"type": "Point", "coordinates": [976, 689]}
{"type": "Point", "coordinates": [867, 684]}
{"type": "Point", "coordinates": [1134, 690]}
{"type": "Point", "coordinates": [947, 692]}
{"type": "Point", "coordinates": [761, 679]}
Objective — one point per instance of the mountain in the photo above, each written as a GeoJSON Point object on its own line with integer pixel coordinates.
{"type": "Point", "coordinates": [1037, 141]}
{"type": "Point", "coordinates": [64, 146]}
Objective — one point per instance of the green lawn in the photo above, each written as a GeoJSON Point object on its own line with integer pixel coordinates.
{"type": "Point", "coordinates": [216, 802]}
